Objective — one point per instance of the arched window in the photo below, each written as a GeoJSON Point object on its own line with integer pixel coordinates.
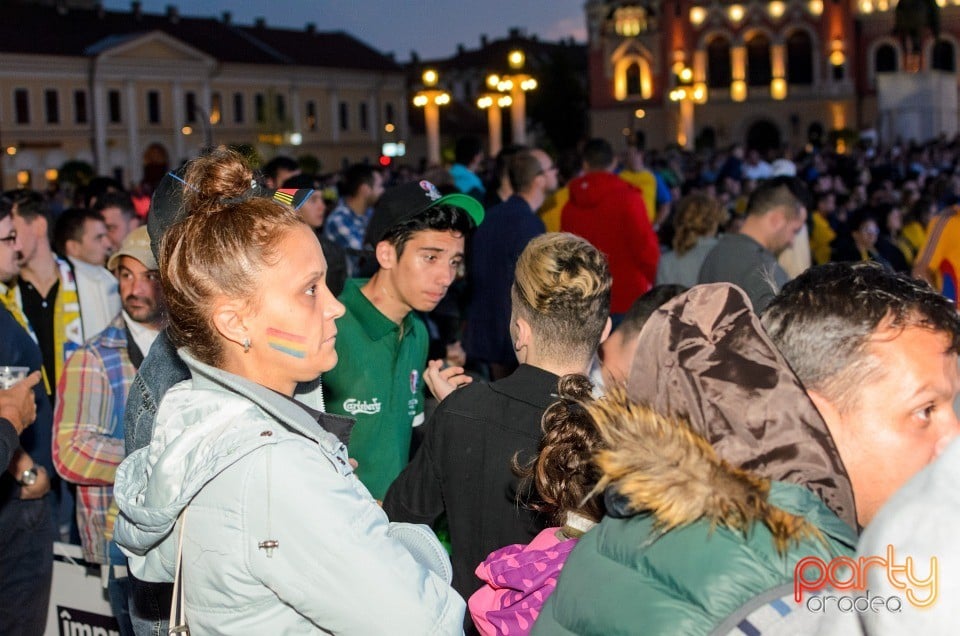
{"type": "Point", "coordinates": [885, 59]}
{"type": "Point", "coordinates": [633, 80]}
{"type": "Point", "coordinates": [632, 77]}
{"type": "Point", "coordinates": [799, 58]}
{"type": "Point", "coordinates": [759, 72]}
{"type": "Point", "coordinates": [943, 56]}
{"type": "Point", "coordinates": [718, 63]}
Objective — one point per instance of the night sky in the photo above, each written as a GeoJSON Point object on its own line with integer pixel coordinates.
{"type": "Point", "coordinates": [432, 28]}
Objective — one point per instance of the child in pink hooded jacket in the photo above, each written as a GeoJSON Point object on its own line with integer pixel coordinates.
{"type": "Point", "coordinates": [519, 578]}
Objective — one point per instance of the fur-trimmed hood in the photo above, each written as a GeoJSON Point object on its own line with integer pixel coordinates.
{"type": "Point", "coordinates": [735, 417]}
{"type": "Point", "coordinates": [660, 465]}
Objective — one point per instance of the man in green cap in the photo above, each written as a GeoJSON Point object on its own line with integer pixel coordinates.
{"type": "Point", "coordinates": [418, 237]}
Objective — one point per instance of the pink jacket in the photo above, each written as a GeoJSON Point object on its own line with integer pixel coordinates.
{"type": "Point", "coordinates": [518, 578]}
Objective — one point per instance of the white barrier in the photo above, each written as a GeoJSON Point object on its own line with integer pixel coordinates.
{"type": "Point", "coordinates": [78, 600]}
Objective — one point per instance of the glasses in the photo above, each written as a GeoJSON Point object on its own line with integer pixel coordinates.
{"type": "Point", "coordinates": [11, 238]}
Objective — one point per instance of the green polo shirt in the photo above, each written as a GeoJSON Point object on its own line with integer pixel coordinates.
{"type": "Point", "coordinates": [378, 380]}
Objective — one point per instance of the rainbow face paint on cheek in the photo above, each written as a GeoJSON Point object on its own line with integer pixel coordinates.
{"type": "Point", "coordinates": [286, 342]}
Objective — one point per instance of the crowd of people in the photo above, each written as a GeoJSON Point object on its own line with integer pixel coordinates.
{"type": "Point", "coordinates": [610, 392]}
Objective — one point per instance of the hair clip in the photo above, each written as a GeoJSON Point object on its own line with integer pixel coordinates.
{"type": "Point", "coordinates": [171, 174]}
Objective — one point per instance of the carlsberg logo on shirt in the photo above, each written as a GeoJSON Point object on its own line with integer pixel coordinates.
{"type": "Point", "coordinates": [354, 406]}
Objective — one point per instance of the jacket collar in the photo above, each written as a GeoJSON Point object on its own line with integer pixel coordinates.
{"type": "Point", "coordinates": [283, 410]}
{"type": "Point", "coordinates": [529, 384]}
{"type": "Point", "coordinates": [115, 334]}
{"type": "Point", "coordinates": [374, 324]}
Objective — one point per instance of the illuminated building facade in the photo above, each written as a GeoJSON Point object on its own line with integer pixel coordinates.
{"type": "Point", "coordinates": [767, 74]}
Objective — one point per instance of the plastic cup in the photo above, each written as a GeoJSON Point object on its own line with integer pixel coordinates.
{"type": "Point", "coordinates": [9, 376]}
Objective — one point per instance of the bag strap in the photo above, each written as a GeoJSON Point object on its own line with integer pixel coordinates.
{"type": "Point", "coordinates": [178, 614]}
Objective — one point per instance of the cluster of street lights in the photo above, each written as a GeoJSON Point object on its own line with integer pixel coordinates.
{"type": "Point", "coordinates": [686, 93]}
{"type": "Point", "coordinates": [504, 91]}
{"type": "Point", "coordinates": [430, 98]}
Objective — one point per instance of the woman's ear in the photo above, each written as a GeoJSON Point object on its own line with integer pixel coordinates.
{"type": "Point", "coordinates": [229, 320]}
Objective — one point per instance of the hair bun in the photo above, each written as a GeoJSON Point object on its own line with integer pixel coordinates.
{"type": "Point", "coordinates": [217, 179]}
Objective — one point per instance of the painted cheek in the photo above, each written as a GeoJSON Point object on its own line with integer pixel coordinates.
{"type": "Point", "coordinates": [291, 344]}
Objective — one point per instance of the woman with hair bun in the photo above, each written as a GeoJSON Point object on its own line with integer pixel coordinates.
{"type": "Point", "coordinates": [696, 221]}
{"type": "Point", "coordinates": [519, 578]}
{"type": "Point", "coordinates": [244, 470]}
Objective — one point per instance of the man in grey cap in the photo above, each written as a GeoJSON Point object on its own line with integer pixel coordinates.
{"type": "Point", "coordinates": [88, 423]}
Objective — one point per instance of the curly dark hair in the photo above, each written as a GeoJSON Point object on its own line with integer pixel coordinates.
{"type": "Point", "coordinates": [563, 473]}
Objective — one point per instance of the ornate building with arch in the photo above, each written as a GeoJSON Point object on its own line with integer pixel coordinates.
{"type": "Point", "coordinates": [768, 74]}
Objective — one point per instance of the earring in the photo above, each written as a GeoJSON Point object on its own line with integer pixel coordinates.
{"type": "Point", "coordinates": [246, 345]}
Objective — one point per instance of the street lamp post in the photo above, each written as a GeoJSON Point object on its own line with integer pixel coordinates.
{"type": "Point", "coordinates": [516, 84]}
{"type": "Point", "coordinates": [492, 103]}
{"type": "Point", "coordinates": [430, 98]}
{"type": "Point", "coordinates": [687, 94]}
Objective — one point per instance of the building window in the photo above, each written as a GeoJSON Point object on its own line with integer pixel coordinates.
{"type": "Point", "coordinates": [799, 58]}
{"type": "Point", "coordinates": [719, 74]}
{"type": "Point", "coordinates": [51, 103]}
{"type": "Point", "coordinates": [364, 116]}
{"type": "Point", "coordinates": [216, 106]}
{"type": "Point", "coordinates": [389, 113]}
{"type": "Point", "coordinates": [260, 107]}
{"type": "Point", "coordinates": [113, 106]}
{"type": "Point", "coordinates": [630, 21]}
{"type": "Point", "coordinates": [944, 56]}
{"type": "Point", "coordinates": [344, 116]}
{"type": "Point", "coordinates": [885, 59]}
{"type": "Point", "coordinates": [153, 107]}
{"type": "Point", "coordinates": [281, 108]}
{"type": "Point", "coordinates": [190, 104]}
{"type": "Point", "coordinates": [311, 109]}
{"type": "Point", "coordinates": [80, 107]}
{"type": "Point", "coordinates": [21, 102]}
{"type": "Point", "coordinates": [759, 72]}
{"type": "Point", "coordinates": [632, 77]}
{"type": "Point", "coordinates": [633, 80]}
{"type": "Point", "coordinates": [238, 108]}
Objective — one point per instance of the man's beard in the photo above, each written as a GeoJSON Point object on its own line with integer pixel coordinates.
{"type": "Point", "coordinates": [147, 312]}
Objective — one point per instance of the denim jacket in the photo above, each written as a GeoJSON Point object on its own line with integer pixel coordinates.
{"type": "Point", "coordinates": [160, 370]}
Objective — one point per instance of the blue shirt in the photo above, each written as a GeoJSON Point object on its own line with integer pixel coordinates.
{"type": "Point", "coordinates": [467, 182]}
{"type": "Point", "coordinates": [494, 250]}
{"type": "Point", "coordinates": [17, 349]}
{"type": "Point", "coordinates": [346, 228]}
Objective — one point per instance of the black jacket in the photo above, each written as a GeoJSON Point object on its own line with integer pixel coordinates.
{"type": "Point", "coordinates": [463, 467]}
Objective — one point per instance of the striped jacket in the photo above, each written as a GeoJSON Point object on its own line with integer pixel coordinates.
{"type": "Point", "coordinates": [88, 429]}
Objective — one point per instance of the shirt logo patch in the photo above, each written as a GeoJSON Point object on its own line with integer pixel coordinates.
{"type": "Point", "coordinates": [430, 189]}
{"type": "Point", "coordinates": [356, 407]}
{"type": "Point", "coordinates": [414, 380]}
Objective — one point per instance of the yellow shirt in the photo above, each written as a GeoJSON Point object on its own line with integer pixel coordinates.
{"type": "Point", "coordinates": [820, 238]}
{"type": "Point", "coordinates": [552, 208]}
{"type": "Point", "coordinates": [914, 234]}
{"type": "Point", "coordinates": [647, 183]}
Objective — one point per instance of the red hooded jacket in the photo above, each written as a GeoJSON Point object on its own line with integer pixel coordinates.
{"type": "Point", "coordinates": [611, 214]}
